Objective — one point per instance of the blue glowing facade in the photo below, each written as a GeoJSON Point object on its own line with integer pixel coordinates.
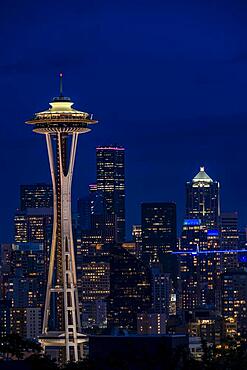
{"type": "Point", "coordinates": [192, 222]}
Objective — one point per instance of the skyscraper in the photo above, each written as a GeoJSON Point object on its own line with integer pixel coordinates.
{"type": "Point", "coordinates": [94, 289]}
{"type": "Point", "coordinates": [234, 299]}
{"type": "Point", "coordinates": [159, 230]}
{"type": "Point", "coordinates": [229, 239]}
{"type": "Point", "coordinates": [229, 230]}
{"type": "Point", "coordinates": [115, 282]}
{"type": "Point", "coordinates": [203, 199]}
{"type": "Point", "coordinates": [161, 291]}
{"type": "Point", "coordinates": [88, 206]}
{"type": "Point", "coordinates": [111, 184]}
{"type": "Point", "coordinates": [27, 277]}
{"type": "Point", "coordinates": [61, 124]}
{"type": "Point", "coordinates": [200, 272]}
{"type": "Point", "coordinates": [36, 196]}
{"type": "Point", "coordinates": [130, 289]}
{"type": "Point", "coordinates": [29, 256]}
{"type": "Point", "coordinates": [32, 227]}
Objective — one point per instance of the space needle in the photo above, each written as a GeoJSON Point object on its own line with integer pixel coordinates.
{"type": "Point", "coordinates": [61, 124]}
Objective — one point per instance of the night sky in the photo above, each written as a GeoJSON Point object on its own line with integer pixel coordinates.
{"type": "Point", "coordinates": [166, 79]}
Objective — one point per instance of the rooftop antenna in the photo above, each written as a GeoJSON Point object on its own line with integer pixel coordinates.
{"type": "Point", "coordinates": [60, 84]}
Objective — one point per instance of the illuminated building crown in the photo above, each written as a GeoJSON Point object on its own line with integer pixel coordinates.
{"type": "Point", "coordinates": [202, 176]}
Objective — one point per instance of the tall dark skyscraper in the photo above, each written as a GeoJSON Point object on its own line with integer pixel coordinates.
{"type": "Point", "coordinates": [111, 184]}
{"type": "Point", "coordinates": [199, 273]}
{"type": "Point", "coordinates": [36, 196]}
{"type": "Point", "coordinates": [203, 199]}
{"type": "Point", "coordinates": [159, 230]}
{"type": "Point", "coordinates": [88, 207]}
{"type": "Point", "coordinates": [229, 230]}
{"type": "Point", "coordinates": [229, 237]}
{"type": "Point", "coordinates": [130, 289]}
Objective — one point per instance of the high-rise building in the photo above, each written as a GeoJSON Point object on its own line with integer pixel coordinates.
{"type": "Point", "coordinates": [130, 289]}
{"type": "Point", "coordinates": [203, 199]}
{"type": "Point", "coordinates": [161, 291]}
{"type": "Point", "coordinates": [199, 272]}
{"type": "Point", "coordinates": [159, 230]}
{"type": "Point", "coordinates": [32, 227]}
{"type": "Point", "coordinates": [229, 240]}
{"type": "Point", "coordinates": [234, 299]}
{"type": "Point", "coordinates": [30, 254]}
{"type": "Point", "coordinates": [28, 277]}
{"type": "Point", "coordinates": [111, 184]}
{"type": "Point", "coordinates": [36, 196]}
{"type": "Point", "coordinates": [61, 124]}
{"type": "Point", "coordinates": [229, 230]}
{"type": "Point", "coordinates": [93, 289]}
{"type": "Point", "coordinates": [25, 286]}
{"type": "Point", "coordinates": [114, 286]}
{"type": "Point", "coordinates": [89, 206]}
{"type": "Point", "coordinates": [199, 278]}
{"type": "Point", "coordinates": [26, 322]}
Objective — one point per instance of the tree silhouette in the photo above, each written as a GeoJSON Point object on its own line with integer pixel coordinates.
{"type": "Point", "coordinates": [13, 346]}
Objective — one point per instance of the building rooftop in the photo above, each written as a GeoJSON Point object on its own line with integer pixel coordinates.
{"type": "Point", "coordinates": [202, 176]}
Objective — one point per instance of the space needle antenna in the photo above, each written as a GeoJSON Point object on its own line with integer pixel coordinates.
{"type": "Point", "coordinates": [60, 84]}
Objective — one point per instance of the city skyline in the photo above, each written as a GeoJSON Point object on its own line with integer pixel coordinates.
{"type": "Point", "coordinates": [193, 89]}
{"type": "Point", "coordinates": [125, 248]}
{"type": "Point", "coordinates": [180, 207]}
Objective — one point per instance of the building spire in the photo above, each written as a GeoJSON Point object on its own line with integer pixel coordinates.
{"type": "Point", "coordinates": [60, 84]}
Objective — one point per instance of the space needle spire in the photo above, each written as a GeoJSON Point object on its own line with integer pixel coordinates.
{"type": "Point", "coordinates": [60, 84]}
{"type": "Point", "coordinates": [61, 124]}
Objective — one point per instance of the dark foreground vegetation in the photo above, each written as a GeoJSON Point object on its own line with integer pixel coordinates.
{"type": "Point", "coordinates": [19, 354]}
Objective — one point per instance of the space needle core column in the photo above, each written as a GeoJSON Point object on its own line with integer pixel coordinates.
{"type": "Point", "coordinates": [61, 124]}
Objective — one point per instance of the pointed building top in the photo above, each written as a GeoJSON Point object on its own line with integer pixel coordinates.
{"type": "Point", "coordinates": [202, 176]}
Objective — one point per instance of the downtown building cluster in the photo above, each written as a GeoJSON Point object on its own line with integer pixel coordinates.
{"type": "Point", "coordinates": [158, 283]}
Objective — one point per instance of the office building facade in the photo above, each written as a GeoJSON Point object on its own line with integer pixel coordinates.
{"type": "Point", "coordinates": [111, 184]}
{"type": "Point", "coordinates": [159, 230]}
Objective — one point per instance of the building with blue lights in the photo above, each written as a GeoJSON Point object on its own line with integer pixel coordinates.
{"type": "Point", "coordinates": [203, 199]}
{"type": "Point", "coordinates": [199, 275]}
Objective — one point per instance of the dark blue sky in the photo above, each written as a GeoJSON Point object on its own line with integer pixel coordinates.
{"type": "Point", "coordinates": [166, 79]}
